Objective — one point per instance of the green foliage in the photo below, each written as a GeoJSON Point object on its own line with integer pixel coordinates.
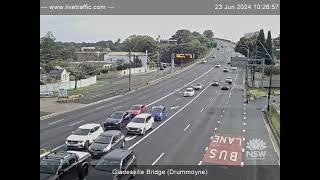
{"type": "Point", "coordinates": [269, 48]}
{"type": "Point", "coordinates": [208, 34]}
{"type": "Point", "coordinates": [140, 44]}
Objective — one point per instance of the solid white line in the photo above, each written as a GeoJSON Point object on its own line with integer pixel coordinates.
{"type": "Point", "coordinates": [100, 107]}
{"type": "Point", "coordinates": [200, 163]}
{"type": "Point", "coordinates": [178, 89]}
{"type": "Point", "coordinates": [201, 109]}
{"type": "Point", "coordinates": [56, 121]}
{"type": "Point", "coordinates": [76, 123]}
{"type": "Point", "coordinates": [206, 148]}
{"type": "Point", "coordinates": [167, 119]}
{"type": "Point", "coordinates": [157, 159]}
{"type": "Point", "coordinates": [186, 127]}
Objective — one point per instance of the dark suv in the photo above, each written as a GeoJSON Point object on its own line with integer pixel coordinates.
{"type": "Point", "coordinates": [117, 120]}
{"type": "Point", "coordinates": [108, 166]}
{"type": "Point", "coordinates": [106, 142]}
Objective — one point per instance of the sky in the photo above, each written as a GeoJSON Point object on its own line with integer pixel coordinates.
{"type": "Point", "coordinates": [84, 28]}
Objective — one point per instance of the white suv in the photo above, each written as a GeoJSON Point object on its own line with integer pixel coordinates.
{"type": "Point", "coordinates": [83, 136]}
{"type": "Point", "coordinates": [140, 124]}
{"type": "Point", "coordinates": [188, 92]}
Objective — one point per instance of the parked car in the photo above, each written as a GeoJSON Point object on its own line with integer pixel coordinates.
{"type": "Point", "coordinates": [117, 120]}
{"type": "Point", "coordinates": [197, 86]}
{"type": "Point", "coordinates": [115, 161]}
{"type": "Point", "coordinates": [137, 109]}
{"type": "Point", "coordinates": [215, 83]}
{"type": "Point", "coordinates": [228, 80]}
{"type": "Point", "coordinates": [217, 65]}
{"type": "Point", "coordinates": [65, 165]}
{"type": "Point", "coordinates": [225, 87]}
{"type": "Point", "coordinates": [159, 112]}
{"type": "Point", "coordinates": [226, 69]}
{"type": "Point", "coordinates": [83, 136]}
{"type": "Point", "coordinates": [106, 142]}
{"type": "Point", "coordinates": [188, 92]}
{"type": "Point", "coordinates": [140, 124]}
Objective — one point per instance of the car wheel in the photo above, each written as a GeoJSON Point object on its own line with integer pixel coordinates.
{"type": "Point", "coordinates": [86, 145]}
{"type": "Point", "coordinates": [84, 172]}
{"type": "Point", "coordinates": [122, 146]}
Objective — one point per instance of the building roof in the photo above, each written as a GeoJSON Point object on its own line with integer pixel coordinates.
{"type": "Point", "coordinates": [56, 72]}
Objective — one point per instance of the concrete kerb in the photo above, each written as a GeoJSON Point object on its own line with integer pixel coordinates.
{"type": "Point", "coordinates": [108, 99]}
{"type": "Point", "coordinates": [272, 128]}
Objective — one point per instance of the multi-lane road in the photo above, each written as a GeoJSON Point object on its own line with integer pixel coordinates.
{"type": "Point", "coordinates": [212, 127]}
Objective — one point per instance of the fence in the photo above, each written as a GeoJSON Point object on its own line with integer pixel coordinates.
{"type": "Point", "coordinates": [67, 85]}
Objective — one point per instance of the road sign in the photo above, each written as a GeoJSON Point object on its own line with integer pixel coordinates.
{"type": "Point", "coordinates": [225, 149]}
{"type": "Point", "coordinates": [63, 93]}
{"type": "Point", "coordinates": [239, 61]}
{"type": "Point", "coordinates": [182, 56]}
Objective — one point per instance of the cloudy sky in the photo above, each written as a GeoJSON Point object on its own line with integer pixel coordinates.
{"type": "Point", "coordinates": [111, 27]}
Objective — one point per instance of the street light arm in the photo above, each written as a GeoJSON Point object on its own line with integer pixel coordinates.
{"type": "Point", "coordinates": [265, 50]}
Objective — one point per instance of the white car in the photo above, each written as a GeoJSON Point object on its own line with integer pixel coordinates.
{"type": "Point", "coordinates": [83, 136]}
{"type": "Point", "coordinates": [234, 68]}
{"type": "Point", "coordinates": [226, 69]}
{"type": "Point", "coordinates": [188, 92]}
{"type": "Point", "coordinates": [204, 62]}
{"type": "Point", "coordinates": [228, 80]}
{"type": "Point", "coordinates": [197, 86]}
{"type": "Point", "coordinates": [217, 65]}
{"type": "Point", "coordinates": [140, 124]}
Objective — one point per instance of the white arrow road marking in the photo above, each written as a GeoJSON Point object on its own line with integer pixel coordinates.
{"type": "Point", "coordinates": [56, 121]}
{"type": "Point", "coordinates": [76, 123]}
{"type": "Point", "coordinates": [157, 159]}
{"type": "Point", "coordinates": [130, 138]}
{"type": "Point", "coordinates": [175, 107]}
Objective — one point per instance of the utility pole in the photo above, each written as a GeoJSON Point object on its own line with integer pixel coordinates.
{"type": "Point", "coordinates": [158, 58]}
{"type": "Point", "coordinates": [129, 69]}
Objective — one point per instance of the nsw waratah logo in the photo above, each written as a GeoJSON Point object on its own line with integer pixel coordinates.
{"type": "Point", "coordinates": [256, 149]}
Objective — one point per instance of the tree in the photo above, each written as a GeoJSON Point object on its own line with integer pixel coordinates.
{"type": "Point", "coordinates": [260, 52]}
{"type": "Point", "coordinates": [49, 50]}
{"type": "Point", "coordinates": [208, 34]}
{"type": "Point", "coordinates": [182, 36]}
{"type": "Point", "coordinates": [269, 48]}
{"type": "Point", "coordinates": [140, 44]}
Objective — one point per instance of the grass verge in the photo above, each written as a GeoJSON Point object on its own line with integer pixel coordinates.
{"type": "Point", "coordinates": [258, 92]}
{"type": "Point", "coordinates": [92, 87]}
{"type": "Point", "coordinates": [275, 119]}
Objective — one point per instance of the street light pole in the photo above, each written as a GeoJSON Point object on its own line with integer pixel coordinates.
{"type": "Point", "coordinates": [129, 70]}
{"type": "Point", "coordinates": [269, 91]}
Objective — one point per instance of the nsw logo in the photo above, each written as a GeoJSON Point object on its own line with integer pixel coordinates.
{"type": "Point", "coordinates": [256, 149]}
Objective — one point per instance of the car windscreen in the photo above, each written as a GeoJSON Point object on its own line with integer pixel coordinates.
{"type": "Point", "coordinates": [103, 139]}
{"type": "Point", "coordinates": [138, 120]}
{"type": "Point", "coordinates": [135, 108]}
{"type": "Point", "coordinates": [156, 110]}
{"type": "Point", "coordinates": [107, 165]}
{"type": "Point", "coordinates": [83, 132]}
{"type": "Point", "coordinates": [49, 166]}
{"type": "Point", "coordinates": [117, 115]}
{"type": "Point", "coordinates": [189, 90]}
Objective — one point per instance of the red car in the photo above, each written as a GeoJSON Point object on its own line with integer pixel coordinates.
{"type": "Point", "coordinates": [137, 109]}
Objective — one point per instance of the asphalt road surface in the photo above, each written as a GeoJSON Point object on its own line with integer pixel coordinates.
{"type": "Point", "coordinates": [214, 127]}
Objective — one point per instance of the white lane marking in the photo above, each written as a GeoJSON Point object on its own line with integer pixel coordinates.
{"type": "Point", "coordinates": [56, 121]}
{"type": "Point", "coordinates": [223, 111]}
{"type": "Point", "coordinates": [241, 164]}
{"type": "Point", "coordinates": [244, 104]}
{"type": "Point", "coordinates": [178, 89]}
{"type": "Point", "coordinates": [100, 107]}
{"type": "Point", "coordinates": [54, 149]}
{"type": "Point", "coordinates": [215, 129]}
{"type": "Point", "coordinates": [244, 113]}
{"type": "Point", "coordinates": [218, 122]}
{"type": "Point", "coordinates": [130, 138]}
{"type": "Point", "coordinates": [206, 149]}
{"type": "Point", "coordinates": [76, 123]}
{"type": "Point", "coordinates": [243, 130]}
{"type": "Point", "coordinates": [174, 107]}
{"type": "Point", "coordinates": [157, 159]}
{"type": "Point", "coordinates": [221, 115]}
{"type": "Point", "coordinates": [242, 149]}
{"type": "Point", "coordinates": [244, 124]}
{"type": "Point", "coordinates": [200, 163]}
{"type": "Point", "coordinates": [201, 109]}
{"type": "Point", "coordinates": [244, 118]}
{"type": "Point", "coordinates": [186, 127]}
{"type": "Point", "coordinates": [178, 99]}
{"type": "Point", "coordinates": [117, 107]}
{"type": "Point", "coordinates": [243, 139]}
{"type": "Point", "coordinates": [167, 119]}
{"type": "Point", "coordinates": [211, 137]}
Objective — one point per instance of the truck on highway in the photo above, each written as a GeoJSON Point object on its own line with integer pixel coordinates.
{"type": "Point", "coordinates": [65, 165]}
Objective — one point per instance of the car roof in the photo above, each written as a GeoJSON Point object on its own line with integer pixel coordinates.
{"type": "Point", "coordinates": [190, 88]}
{"type": "Point", "coordinates": [159, 106]}
{"type": "Point", "coordinates": [110, 133]}
{"type": "Point", "coordinates": [89, 126]}
{"type": "Point", "coordinates": [143, 115]}
{"type": "Point", "coordinates": [138, 105]}
{"type": "Point", "coordinates": [58, 155]}
{"type": "Point", "coordinates": [117, 154]}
